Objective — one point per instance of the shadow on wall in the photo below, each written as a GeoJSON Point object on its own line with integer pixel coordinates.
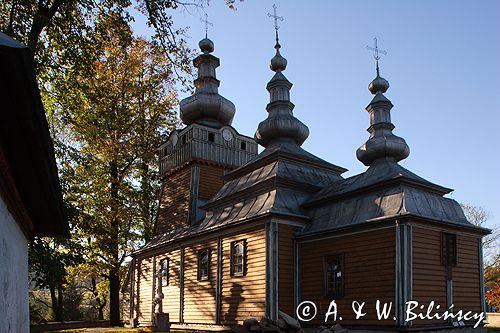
{"type": "Point", "coordinates": [235, 298]}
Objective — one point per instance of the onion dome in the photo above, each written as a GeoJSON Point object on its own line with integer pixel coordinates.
{"type": "Point", "coordinates": [280, 125]}
{"type": "Point", "coordinates": [206, 46]}
{"type": "Point", "coordinates": [382, 144]}
{"type": "Point", "coordinates": [206, 106]}
{"type": "Point", "coordinates": [379, 84]}
{"type": "Point", "coordinates": [278, 63]}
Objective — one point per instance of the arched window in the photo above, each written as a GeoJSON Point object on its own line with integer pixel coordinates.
{"type": "Point", "coordinates": [203, 264]}
{"type": "Point", "coordinates": [238, 258]}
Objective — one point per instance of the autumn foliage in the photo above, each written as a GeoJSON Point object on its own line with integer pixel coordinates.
{"type": "Point", "coordinates": [492, 283]}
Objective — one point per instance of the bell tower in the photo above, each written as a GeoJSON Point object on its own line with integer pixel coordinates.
{"type": "Point", "coordinates": [194, 159]}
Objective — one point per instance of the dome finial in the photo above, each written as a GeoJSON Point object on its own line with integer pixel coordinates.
{"type": "Point", "coordinates": [206, 106]}
{"type": "Point", "coordinates": [379, 84]}
{"type": "Point", "coordinates": [206, 45]}
{"type": "Point", "coordinates": [278, 63]}
{"type": "Point", "coordinates": [281, 125]}
{"type": "Point", "coordinates": [382, 144]}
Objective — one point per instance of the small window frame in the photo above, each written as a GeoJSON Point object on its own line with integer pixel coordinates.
{"type": "Point", "coordinates": [327, 260]}
{"type": "Point", "coordinates": [449, 249]}
{"type": "Point", "coordinates": [199, 270]}
{"type": "Point", "coordinates": [164, 272]}
{"type": "Point", "coordinates": [232, 263]}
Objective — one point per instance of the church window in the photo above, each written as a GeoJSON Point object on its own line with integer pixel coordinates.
{"type": "Point", "coordinates": [334, 275]}
{"type": "Point", "coordinates": [243, 145]}
{"type": "Point", "coordinates": [184, 139]}
{"type": "Point", "coordinates": [203, 264]}
{"type": "Point", "coordinates": [211, 137]}
{"type": "Point", "coordinates": [449, 249]}
{"type": "Point", "coordinates": [238, 250]}
{"type": "Point", "coordinates": [163, 272]}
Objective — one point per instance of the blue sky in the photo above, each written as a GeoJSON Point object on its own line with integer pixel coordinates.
{"type": "Point", "coordinates": [442, 64]}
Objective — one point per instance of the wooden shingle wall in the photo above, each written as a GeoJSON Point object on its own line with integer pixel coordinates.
{"type": "Point", "coordinates": [286, 268]}
{"type": "Point", "coordinates": [199, 296]}
{"type": "Point", "coordinates": [466, 275]}
{"type": "Point", "coordinates": [429, 273]}
{"type": "Point", "coordinates": [144, 291]}
{"type": "Point", "coordinates": [171, 293]}
{"type": "Point", "coordinates": [174, 202]}
{"type": "Point", "coordinates": [244, 296]}
{"type": "Point", "coordinates": [369, 274]}
{"type": "Point", "coordinates": [211, 180]}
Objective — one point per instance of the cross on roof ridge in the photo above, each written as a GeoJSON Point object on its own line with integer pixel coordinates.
{"type": "Point", "coordinates": [207, 23]}
{"type": "Point", "coordinates": [276, 18]}
{"type": "Point", "coordinates": [376, 52]}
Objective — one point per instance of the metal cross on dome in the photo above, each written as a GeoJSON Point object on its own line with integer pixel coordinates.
{"type": "Point", "coordinates": [207, 23]}
{"type": "Point", "coordinates": [276, 18]}
{"type": "Point", "coordinates": [376, 52]}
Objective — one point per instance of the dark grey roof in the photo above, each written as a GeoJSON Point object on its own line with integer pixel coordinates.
{"type": "Point", "coordinates": [285, 150]}
{"type": "Point", "coordinates": [284, 202]}
{"type": "Point", "coordinates": [385, 202]}
{"type": "Point", "coordinates": [9, 42]}
{"type": "Point", "coordinates": [379, 173]}
{"type": "Point", "coordinates": [385, 190]}
{"type": "Point", "coordinates": [28, 182]}
{"type": "Point", "coordinates": [280, 187]}
{"type": "Point", "coordinates": [278, 181]}
{"type": "Point", "coordinates": [279, 170]}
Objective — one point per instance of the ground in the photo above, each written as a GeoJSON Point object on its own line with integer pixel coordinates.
{"type": "Point", "coordinates": [143, 330]}
{"type": "Point", "coordinates": [109, 330]}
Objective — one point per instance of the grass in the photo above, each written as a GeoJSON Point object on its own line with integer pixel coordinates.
{"type": "Point", "coordinates": [109, 330]}
{"type": "Point", "coordinates": [148, 330]}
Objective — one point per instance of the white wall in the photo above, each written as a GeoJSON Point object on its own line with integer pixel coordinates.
{"type": "Point", "coordinates": [14, 311]}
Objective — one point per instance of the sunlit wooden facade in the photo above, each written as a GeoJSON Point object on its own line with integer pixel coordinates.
{"type": "Point", "coordinates": [242, 235]}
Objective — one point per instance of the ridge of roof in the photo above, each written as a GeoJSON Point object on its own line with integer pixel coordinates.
{"type": "Point", "coordinates": [287, 151]}
{"type": "Point", "coordinates": [381, 173]}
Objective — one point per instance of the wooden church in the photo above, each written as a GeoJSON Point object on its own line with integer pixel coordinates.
{"type": "Point", "coordinates": [241, 234]}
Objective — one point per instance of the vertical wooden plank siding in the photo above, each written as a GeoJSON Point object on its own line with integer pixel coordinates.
{"type": "Point", "coordinates": [211, 180]}
{"type": "Point", "coordinates": [145, 291]}
{"type": "Point", "coordinates": [286, 268]}
{"type": "Point", "coordinates": [369, 274]}
{"type": "Point", "coordinates": [174, 202]}
{"type": "Point", "coordinates": [466, 275]}
{"type": "Point", "coordinates": [244, 296]}
{"type": "Point", "coordinates": [428, 272]}
{"type": "Point", "coordinates": [171, 293]}
{"type": "Point", "coordinates": [199, 296]}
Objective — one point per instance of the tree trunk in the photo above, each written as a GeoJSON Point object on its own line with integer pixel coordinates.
{"type": "Point", "coordinates": [145, 202]}
{"type": "Point", "coordinates": [100, 303]}
{"type": "Point", "coordinates": [60, 313]}
{"type": "Point", "coordinates": [114, 299]}
{"type": "Point", "coordinates": [42, 18]}
{"type": "Point", "coordinates": [114, 278]}
{"type": "Point", "coordinates": [100, 308]}
{"type": "Point", "coordinates": [56, 302]}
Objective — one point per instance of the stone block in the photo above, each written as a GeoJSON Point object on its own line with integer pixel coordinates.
{"type": "Point", "coordinates": [162, 322]}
